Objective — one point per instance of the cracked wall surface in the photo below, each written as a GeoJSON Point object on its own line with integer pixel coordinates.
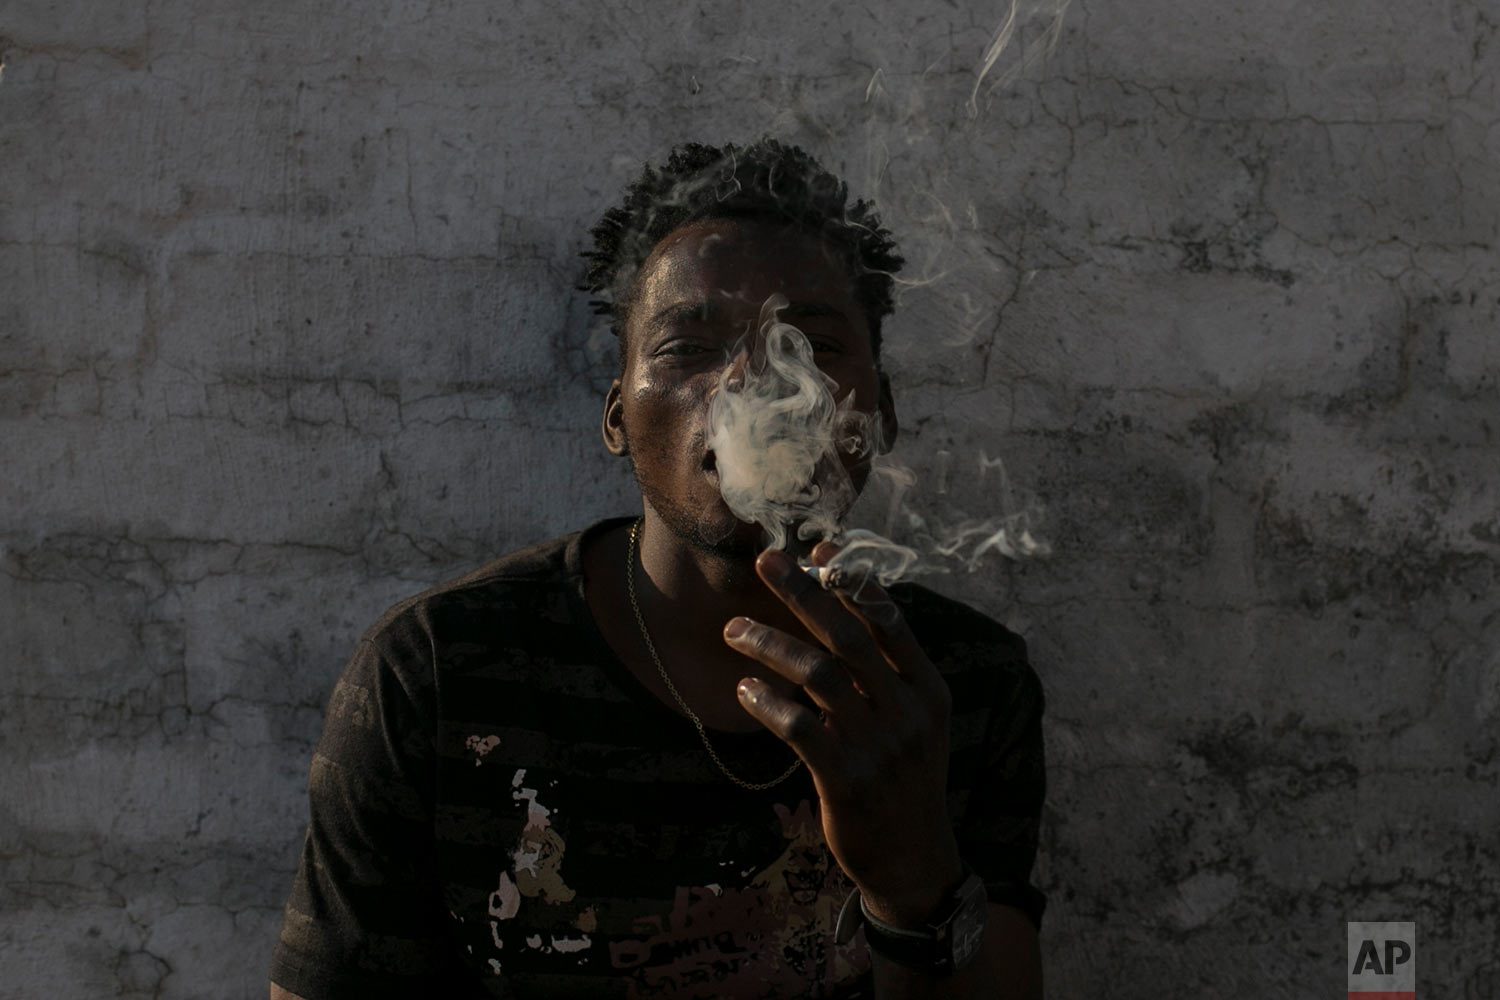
{"type": "Point", "coordinates": [288, 331]}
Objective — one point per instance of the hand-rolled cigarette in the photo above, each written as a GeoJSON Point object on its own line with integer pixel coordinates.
{"type": "Point", "coordinates": [828, 577]}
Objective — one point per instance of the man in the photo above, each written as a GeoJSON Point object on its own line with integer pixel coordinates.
{"type": "Point", "coordinates": [649, 759]}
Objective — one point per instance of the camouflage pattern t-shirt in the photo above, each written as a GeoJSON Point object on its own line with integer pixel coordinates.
{"type": "Point", "coordinates": [500, 809]}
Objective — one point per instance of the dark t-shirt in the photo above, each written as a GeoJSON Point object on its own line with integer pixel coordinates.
{"type": "Point", "coordinates": [500, 808]}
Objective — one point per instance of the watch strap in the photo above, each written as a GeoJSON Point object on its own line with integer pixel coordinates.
{"type": "Point", "coordinates": [945, 942]}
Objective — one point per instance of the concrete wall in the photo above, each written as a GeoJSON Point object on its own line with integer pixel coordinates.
{"type": "Point", "coordinates": [287, 331]}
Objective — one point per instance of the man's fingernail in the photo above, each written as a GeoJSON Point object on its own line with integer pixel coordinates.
{"type": "Point", "coordinates": [775, 564]}
{"type": "Point", "coordinates": [749, 691]}
{"type": "Point", "coordinates": [736, 628]}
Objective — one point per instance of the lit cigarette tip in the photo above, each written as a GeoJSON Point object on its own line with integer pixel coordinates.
{"type": "Point", "coordinates": [828, 577]}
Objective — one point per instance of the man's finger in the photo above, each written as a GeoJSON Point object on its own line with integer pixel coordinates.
{"type": "Point", "coordinates": [828, 619]}
{"type": "Point", "coordinates": [866, 599]}
{"type": "Point", "coordinates": [805, 665]}
{"type": "Point", "coordinates": [796, 725]}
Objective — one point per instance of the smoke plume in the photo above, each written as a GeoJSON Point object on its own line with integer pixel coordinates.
{"type": "Point", "coordinates": [778, 436]}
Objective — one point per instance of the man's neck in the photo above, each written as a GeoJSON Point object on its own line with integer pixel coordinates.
{"type": "Point", "coordinates": [695, 584]}
{"type": "Point", "coordinates": [686, 596]}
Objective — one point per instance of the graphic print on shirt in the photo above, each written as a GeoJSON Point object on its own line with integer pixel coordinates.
{"type": "Point", "coordinates": [774, 934]}
{"type": "Point", "coordinates": [535, 873]}
{"type": "Point", "coordinates": [480, 746]}
{"type": "Point", "coordinates": [770, 932]}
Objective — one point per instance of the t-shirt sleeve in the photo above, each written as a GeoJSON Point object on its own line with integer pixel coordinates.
{"type": "Point", "coordinates": [365, 917]}
{"type": "Point", "coordinates": [998, 831]}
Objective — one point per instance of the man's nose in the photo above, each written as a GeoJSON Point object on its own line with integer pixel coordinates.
{"type": "Point", "coordinates": [739, 361]}
{"type": "Point", "coordinates": [734, 375]}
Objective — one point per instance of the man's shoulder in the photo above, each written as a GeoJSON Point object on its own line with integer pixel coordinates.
{"type": "Point", "coordinates": [979, 657]}
{"type": "Point", "coordinates": [945, 622]}
{"type": "Point", "coordinates": [532, 589]}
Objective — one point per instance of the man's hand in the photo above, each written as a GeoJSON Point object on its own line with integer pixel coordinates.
{"type": "Point", "coordinates": [878, 751]}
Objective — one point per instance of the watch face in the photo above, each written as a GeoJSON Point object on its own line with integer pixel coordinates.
{"type": "Point", "coordinates": [967, 925]}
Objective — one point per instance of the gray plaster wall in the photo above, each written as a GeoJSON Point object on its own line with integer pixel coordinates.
{"type": "Point", "coordinates": [287, 331]}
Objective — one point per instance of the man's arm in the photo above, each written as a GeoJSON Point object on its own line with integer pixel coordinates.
{"type": "Point", "coordinates": [365, 917]}
{"type": "Point", "coordinates": [277, 993]}
{"type": "Point", "coordinates": [877, 749]}
{"type": "Point", "coordinates": [1008, 967]}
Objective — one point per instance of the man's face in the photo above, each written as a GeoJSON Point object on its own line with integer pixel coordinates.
{"type": "Point", "coordinates": [697, 306]}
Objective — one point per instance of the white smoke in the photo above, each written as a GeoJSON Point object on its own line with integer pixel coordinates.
{"type": "Point", "coordinates": [1010, 49]}
{"type": "Point", "coordinates": [780, 440]}
{"type": "Point", "coordinates": [778, 436]}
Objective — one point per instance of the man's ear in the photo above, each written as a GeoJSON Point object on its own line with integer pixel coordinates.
{"type": "Point", "coordinates": [889, 426]}
{"type": "Point", "coordinates": [613, 425]}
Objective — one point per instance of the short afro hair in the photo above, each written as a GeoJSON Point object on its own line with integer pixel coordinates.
{"type": "Point", "coordinates": [764, 181]}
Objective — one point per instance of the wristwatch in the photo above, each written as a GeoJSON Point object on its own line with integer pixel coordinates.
{"type": "Point", "coordinates": [945, 942]}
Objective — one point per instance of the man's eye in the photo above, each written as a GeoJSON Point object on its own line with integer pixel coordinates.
{"type": "Point", "coordinates": [682, 349]}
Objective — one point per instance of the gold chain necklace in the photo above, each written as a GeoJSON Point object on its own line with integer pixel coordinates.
{"type": "Point", "coordinates": [635, 606]}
